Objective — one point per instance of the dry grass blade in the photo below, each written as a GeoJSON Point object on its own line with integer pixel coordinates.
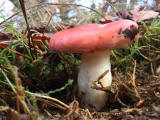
{"type": "Point", "coordinates": [133, 80]}
{"type": "Point", "coordinates": [49, 98]}
{"type": "Point", "coordinates": [52, 103]}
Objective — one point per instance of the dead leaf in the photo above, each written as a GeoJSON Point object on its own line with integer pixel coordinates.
{"type": "Point", "coordinates": [139, 16]}
{"type": "Point", "coordinates": [4, 44]}
{"type": "Point", "coordinates": [107, 19]}
{"type": "Point", "coordinates": [5, 35]}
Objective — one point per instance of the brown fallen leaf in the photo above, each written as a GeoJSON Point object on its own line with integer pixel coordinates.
{"type": "Point", "coordinates": [139, 16]}
{"type": "Point", "coordinates": [4, 44]}
{"type": "Point", "coordinates": [108, 19]}
{"type": "Point", "coordinates": [5, 35]}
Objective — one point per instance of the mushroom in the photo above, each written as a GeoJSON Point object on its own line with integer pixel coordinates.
{"type": "Point", "coordinates": [95, 42]}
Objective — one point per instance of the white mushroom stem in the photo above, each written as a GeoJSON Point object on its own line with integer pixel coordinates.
{"type": "Point", "coordinates": [92, 67]}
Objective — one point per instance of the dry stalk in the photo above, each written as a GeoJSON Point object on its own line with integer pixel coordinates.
{"type": "Point", "coordinates": [133, 79]}
{"type": "Point", "coordinates": [152, 70]}
{"type": "Point", "coordinates": [29, 34]}
{"type": "Point", "coordinates": [20, 94]}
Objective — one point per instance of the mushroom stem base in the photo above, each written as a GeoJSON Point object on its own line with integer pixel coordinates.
{"type": "Point", "coordinates": [92, 67]}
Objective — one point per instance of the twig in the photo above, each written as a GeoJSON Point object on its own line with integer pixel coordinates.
{"type": "Point", "coordinates": [101, 77]}
{"type": "Point", "coordinates": [102, 88]}
{"type": "Point", "coordinates": [29, 34]}
{"type": "Point", "coordinates": [105, 89]}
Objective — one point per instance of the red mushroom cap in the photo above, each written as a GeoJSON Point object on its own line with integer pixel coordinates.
{"type": "Point", "coordinates": [95, 37]}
